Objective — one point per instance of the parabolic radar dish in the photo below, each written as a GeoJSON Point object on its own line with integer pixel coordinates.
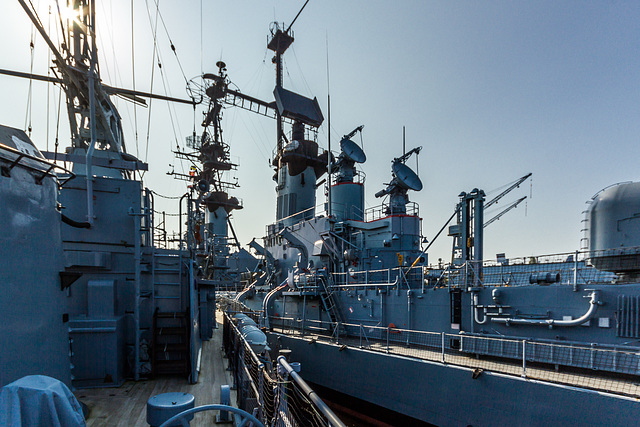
{"type": "Point", "coordinates": [352, 151]}
{"type": "Point", "coordinates": [406, 177]}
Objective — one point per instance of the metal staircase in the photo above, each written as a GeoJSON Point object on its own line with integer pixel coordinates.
{"type": "Point", "coordinates": [170, 349]}
{"type": "Point", "coordinates": [329, 302]}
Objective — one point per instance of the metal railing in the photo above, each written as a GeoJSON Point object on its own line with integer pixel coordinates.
{"type": "Point", "coordinates": [277, 397]}
{"type": "Point", "coordinates": [572, 268]}
{"type": "Point", "coordinates": [565, 269]}
{"type": "Point", "coordinates": [602, 367]}
{"type": "Point", "coordinates": [385, 210]}
{"type": "Point", "coordinates": [403, 276]}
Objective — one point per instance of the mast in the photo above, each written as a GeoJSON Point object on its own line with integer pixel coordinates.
{"type": "Point", "coordinates": [298, 162]}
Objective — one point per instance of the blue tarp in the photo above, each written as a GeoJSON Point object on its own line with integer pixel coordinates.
{"type": "Point", "coordinates": [39, 401]}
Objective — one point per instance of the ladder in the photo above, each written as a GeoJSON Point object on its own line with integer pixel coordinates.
{"type": "Point", "coordinates": [170, 353]}
{"type": "Point", "coordinates": [329, 302]}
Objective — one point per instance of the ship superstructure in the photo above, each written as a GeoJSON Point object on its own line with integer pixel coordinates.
{"type": "Point", "coordinates": [351, 292]}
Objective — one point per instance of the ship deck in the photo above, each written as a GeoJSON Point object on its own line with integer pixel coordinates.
{"type": "Point", "coordinates": [588, 379]}
{"type": "Point", "coordinates": [127, 405]}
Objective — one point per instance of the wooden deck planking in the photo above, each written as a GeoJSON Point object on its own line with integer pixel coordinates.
{"type": "Point", "coordinates": [127, 405]}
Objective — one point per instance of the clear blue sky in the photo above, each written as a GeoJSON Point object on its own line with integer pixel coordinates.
{"type": "Point", "coordinates": [491, 90]}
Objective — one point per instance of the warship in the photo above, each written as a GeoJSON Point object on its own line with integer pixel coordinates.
{"type": "Point", "coordinates": [347, 291]}
{"type": "Point", "coordinates": [94, 295]}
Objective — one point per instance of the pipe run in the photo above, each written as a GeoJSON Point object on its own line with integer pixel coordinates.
{"type": "Point", "coordinates": [308, 391]}
{"type": "Point", "coordinates": [269, 300]}
{"type": "Point", "coordinates": [475, 311]}
{"type": "Point", "coordinates": [247, 292]}
{"type": "Point", "coordinates": [594, 302]}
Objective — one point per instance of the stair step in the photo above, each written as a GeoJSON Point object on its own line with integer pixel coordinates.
{"type": "Point", "coordinates": [167, 284]}
{"type": "Point", "coordinates": [171, 330]}
{"type": "Point", "coordinates": [171, 348]}
{"type": "Point", "coordinates": [171, 315]}
{"type": "Point", "coordinates": [171, 366]}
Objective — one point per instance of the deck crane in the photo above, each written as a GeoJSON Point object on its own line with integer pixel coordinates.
{"type": "Point", "coordinates": [508, 208]}
{"type": "Point", "coordinates": [507, 191]}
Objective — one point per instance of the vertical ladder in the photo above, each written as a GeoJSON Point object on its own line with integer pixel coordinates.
{"type": "Point", "coordinates": [143, 297]}
{"type": "Point", "coordinates": [167, 280]}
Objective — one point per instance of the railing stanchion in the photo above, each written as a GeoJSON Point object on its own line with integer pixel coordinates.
{"type": "Point", "coordinates": [443, 361]}
{"type": "Point", "coordinates": [388, 339]}
{"type": "Point", "coordinates": [524, 358]}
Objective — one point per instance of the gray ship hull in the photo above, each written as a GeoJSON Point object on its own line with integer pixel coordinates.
{"type": "Point", "coordinates": [448, 395]}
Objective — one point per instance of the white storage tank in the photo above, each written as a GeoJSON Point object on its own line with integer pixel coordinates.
{"type": "Point", "coordinates": [613, 222]}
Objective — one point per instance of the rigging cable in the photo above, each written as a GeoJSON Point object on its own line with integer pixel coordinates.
{"type": "Point", "coordinates": [48, 76]}
{"type": "Point", "coordinates": [55, 155]}
{"type": "Point", "coordinates": [32, 44]}
{"type": "Point", "coordinates": [164, 83]}
{"type": "Point", "coordinates": [173, 48]}
{"type": "Point", "coordinates": [64, 39]}
{"type": "Point", "coordinates": [117, 76]}
{"type": "Point", "coordinates": [304, 80]}
{"type": "Point", "coordinates": [153, 68]}
{"type": "Point", "coordinates": [201, 41]}
{"type": "Point", "coordinates": [133, 74]}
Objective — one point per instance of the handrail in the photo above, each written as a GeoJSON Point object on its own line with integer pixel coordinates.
{"type": "Point", "coordinates": [366, 285]}
{"type": "Point", "coordinates": [51, 166]}
{"type": "Point", "coordinates": [308, 391]}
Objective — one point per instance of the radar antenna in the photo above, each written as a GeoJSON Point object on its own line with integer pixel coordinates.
{"type": "Point", "coordinates": [404, 179]}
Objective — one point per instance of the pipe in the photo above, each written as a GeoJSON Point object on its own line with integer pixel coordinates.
{"type": "Point", "coordinates": [295, 242]}
{"type": "Point", "coordinates": [267, 304]}
{"type": "Point", "coordinates": [247, 292]}
{"type": "Point", "coordinates": [308, 391]}
{"type": "Point", "coordinates": [594, 302]}
{"type": "Point", "coordinates": [74, 223]}
{"type": "Point", "coordinates": [475, 311]}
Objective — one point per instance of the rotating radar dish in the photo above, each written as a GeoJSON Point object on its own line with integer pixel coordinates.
{"type": "Point", "coordinates": [352, 151]}
{"type": "Point", "coordinates": [406, 177]}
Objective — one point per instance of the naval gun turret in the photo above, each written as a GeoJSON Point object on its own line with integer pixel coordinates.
{"type": "Point", "coordinates": [404, 179]}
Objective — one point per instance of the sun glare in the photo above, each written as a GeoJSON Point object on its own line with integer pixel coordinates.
{"type": "Point", "coordinates": [68, 13]}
